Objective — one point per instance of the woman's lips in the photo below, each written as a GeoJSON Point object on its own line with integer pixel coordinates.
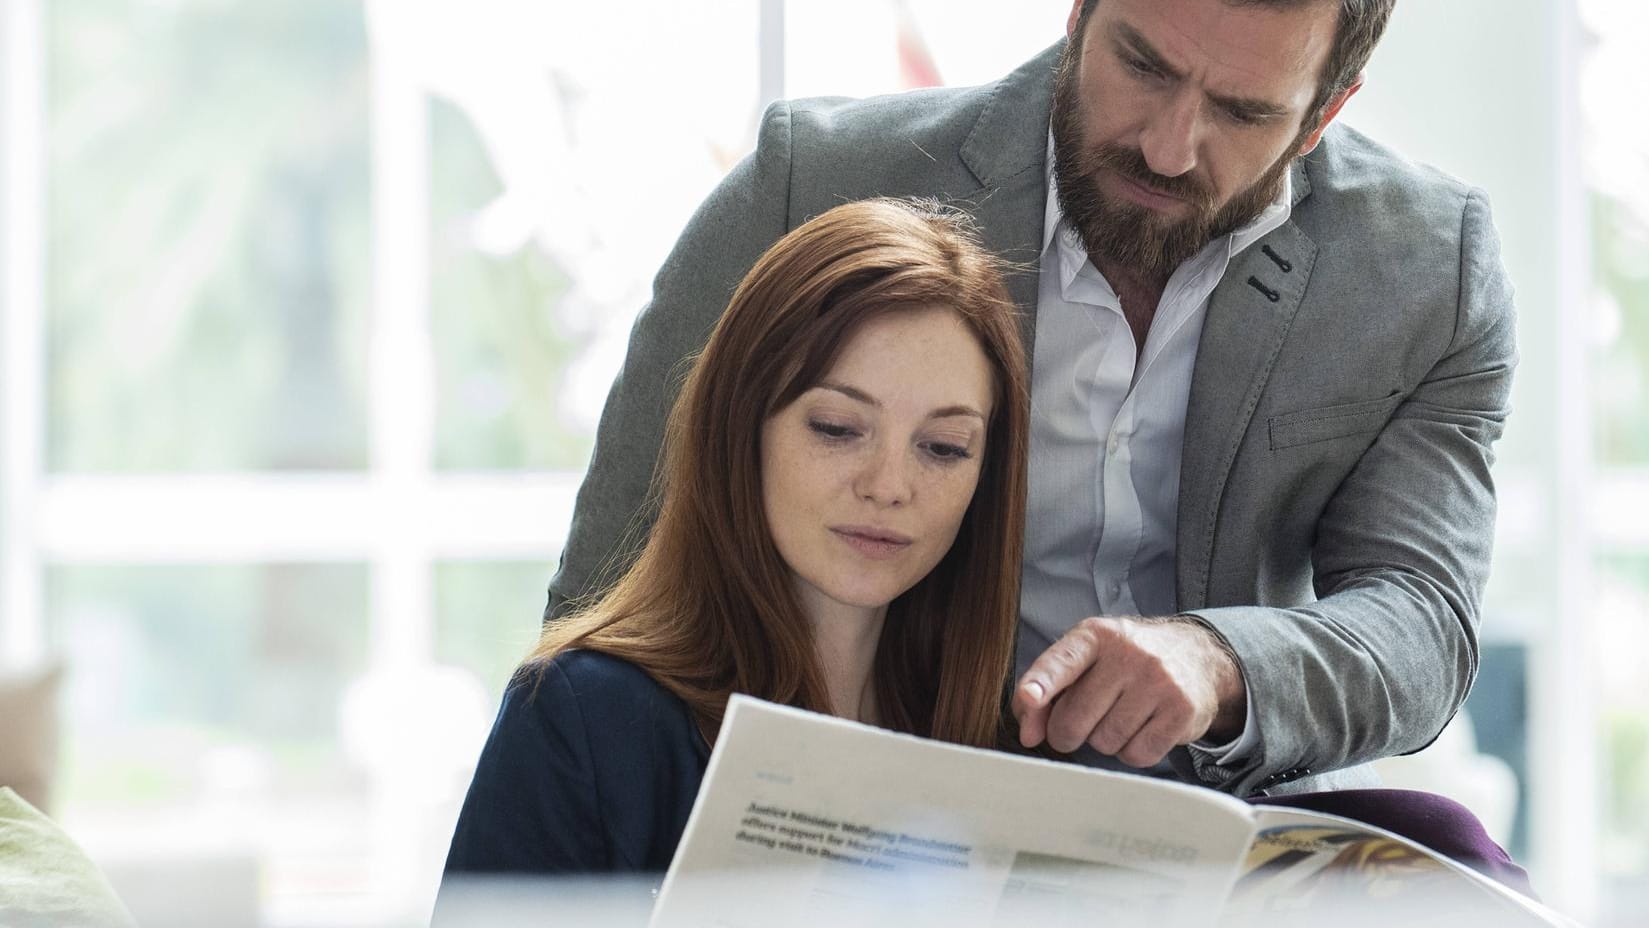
{"type": "Point", "coordinates": [871, 542]}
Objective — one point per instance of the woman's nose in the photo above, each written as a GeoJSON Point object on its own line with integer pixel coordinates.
{"type": "Point", "coordinates": [885, 479]}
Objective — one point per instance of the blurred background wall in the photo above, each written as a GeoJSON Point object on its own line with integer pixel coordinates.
{"type": "Point", "coordinates": [309, 309]}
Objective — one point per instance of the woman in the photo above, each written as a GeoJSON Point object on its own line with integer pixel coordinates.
{"type": "Point", "coordinates": [843, 485]}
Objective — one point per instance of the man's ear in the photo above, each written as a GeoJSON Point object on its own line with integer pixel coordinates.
{"type": "Point", "coordinates": [1329, 112]}
{"type": "Point", "coordinates": [1070, 21]}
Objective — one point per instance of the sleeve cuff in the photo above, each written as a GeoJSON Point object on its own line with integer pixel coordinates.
{"type": "Point", "coordinates": [1239, 749]}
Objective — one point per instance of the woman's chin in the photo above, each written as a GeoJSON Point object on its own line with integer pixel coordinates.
{"type": "Point", "coordinates": [868, 596]}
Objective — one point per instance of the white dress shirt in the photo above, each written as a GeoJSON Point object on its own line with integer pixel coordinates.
{"type": "Point", "coordinates": [1106, 437]}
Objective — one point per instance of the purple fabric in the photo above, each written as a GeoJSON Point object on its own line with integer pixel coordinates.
{"type": "Point", "coordinates": [1437, 822]}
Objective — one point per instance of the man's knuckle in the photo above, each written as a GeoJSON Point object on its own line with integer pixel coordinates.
{"type": "Point", "coordinates": [1094, 629]}
{"type": "Point", "coordinates": [1105, 739]}
{"type": "Point", "coordinates": [1151, 747]}
{"type": "Point", "coordinates": [1135, 755]}
{"type": "Point", "coordinates": [1074, 653]}
{"type": "Point", "coordinates": [1178, 707]}
{"type": "Point", "coordinates": [1062, 734]}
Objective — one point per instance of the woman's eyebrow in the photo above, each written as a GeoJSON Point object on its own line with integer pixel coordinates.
{"type": "Point", "coordinates": [858, 395]}
{"type": "Point", "coordinates": [852, 393]}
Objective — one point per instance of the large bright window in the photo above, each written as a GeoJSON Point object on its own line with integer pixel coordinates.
{"type": "Point", "coordinates": [309, 309]}
{"type": "Point", "coordinates": [1616, 167]}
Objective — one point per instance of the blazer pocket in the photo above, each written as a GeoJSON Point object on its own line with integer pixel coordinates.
{"type": "Point", "coordinates": [1328, 422]}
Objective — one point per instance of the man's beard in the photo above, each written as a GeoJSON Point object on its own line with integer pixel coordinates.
{"type": "Point", "coordinates": [1127, 233]}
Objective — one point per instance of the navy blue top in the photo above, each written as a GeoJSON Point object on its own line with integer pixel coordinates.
{"type": "Point", "coordinates": [591, 766]}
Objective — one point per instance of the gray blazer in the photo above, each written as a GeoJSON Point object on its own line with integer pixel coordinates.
{"type": "Point", "coordinates": [1336, 509]}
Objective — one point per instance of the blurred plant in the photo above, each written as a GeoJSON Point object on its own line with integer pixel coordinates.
{"type": "Point", "coordinates": [169, 664]}
{"type": "Point", "coordinates": [1620, 376]}
{"type": "Point", "coordinates": [207, 234]}
{"type": "Point", "coordinates": [486, 617]}
{"type": "Point", "coordinates": [502, 352]}
{"type": "Point", "coordinates": [1626, 830]}
{"type": "Point", "coordinates": [1616, 150]}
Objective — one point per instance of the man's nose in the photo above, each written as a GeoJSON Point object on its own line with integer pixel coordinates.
{"type": "Point", "coordinates": [1169, 141]}
{"type": "Point", "coordinates": [885, 478]}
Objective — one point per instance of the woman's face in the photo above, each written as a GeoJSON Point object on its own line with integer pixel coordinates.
{"type": "Point", "coordinates": [866, 476]}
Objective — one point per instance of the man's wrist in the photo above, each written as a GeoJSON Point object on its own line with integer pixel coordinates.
{"type": "Point", "coordinates": [1230, 687]}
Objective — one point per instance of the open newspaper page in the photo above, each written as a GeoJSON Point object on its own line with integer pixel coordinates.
{"type": "Point", "coordinates": [1308, 868]}
{"type": "Point", "coordinates": [806, 819]}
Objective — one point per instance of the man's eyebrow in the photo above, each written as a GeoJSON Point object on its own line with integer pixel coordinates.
{"type": "Point", "coordinates": [1245, 106]}
{"type": "Point", "coordinates": [1128, 39]}
{"type": "Point", "coordinates": [858, 395]}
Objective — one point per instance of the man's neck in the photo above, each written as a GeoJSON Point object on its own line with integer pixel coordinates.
{"type": "Point", "coordinates": [1139, 293]}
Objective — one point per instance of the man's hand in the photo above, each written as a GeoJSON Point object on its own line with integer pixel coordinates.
{"type": "Point", "coordinates": [1132, 688]}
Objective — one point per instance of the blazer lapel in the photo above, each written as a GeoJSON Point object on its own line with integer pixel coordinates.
{"type": "Point", "coordinates": [1249, 316]}
{"type": "Point", "coordinates": [1010, 221]}
{"type": "Point", "coordinates": [1007, 151]}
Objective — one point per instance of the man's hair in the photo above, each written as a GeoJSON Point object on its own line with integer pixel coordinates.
{"type": "Point", "coordinates": [1361, 24]}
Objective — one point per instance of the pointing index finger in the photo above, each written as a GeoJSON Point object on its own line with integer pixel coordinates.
{"type": "Point", "coordinates": [1053, 671]}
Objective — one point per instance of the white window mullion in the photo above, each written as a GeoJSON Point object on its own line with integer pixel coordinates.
{"type": "Point", "coordinates": [22, 314]}
{"type": "Point", "coordinates": [401, 416]}
{"type": "Point", "coordinates": [401, 365]}
{"type": "Point", "coordinates": [264, 518]}
{"type": "Point", "coordinates": [1564, 800]}
{"type": "Point", "coordinates": [770, 52]}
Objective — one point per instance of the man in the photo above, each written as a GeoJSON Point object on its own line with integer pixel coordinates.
{"type": "Point", "coordinates": [1270, 360]}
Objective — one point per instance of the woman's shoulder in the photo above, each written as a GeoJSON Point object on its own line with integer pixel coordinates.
{"type": "Point", "coordinates": [592, 673]}
{"type": "Point", "coordinates": [590, 766]}
{"type": "Point", "coordinates": [604, 691]}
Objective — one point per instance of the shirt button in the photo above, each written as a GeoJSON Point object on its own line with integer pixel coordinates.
{"type": "Point", "coordinates": [1113, 589]}
{"type": "Point", "coordinates": [1115, 443]}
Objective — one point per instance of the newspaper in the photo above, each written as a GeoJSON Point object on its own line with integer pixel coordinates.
{"type": "Point", "coordinates": [811, 820]}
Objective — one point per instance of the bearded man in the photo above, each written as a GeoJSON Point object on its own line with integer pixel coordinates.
{"type": "Point", "coordinates": [1270, 360]}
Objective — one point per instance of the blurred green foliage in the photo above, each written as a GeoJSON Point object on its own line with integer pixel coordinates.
{"type": "Point", "coordinates": [207, 235]}
{"type": "Point", "coordinates": [1623, 717]}
{"type": "Point", "coordinates": [210, 253]}
{"type": "Point", "coordinates": [169, 663]}
{"type": "Point", "coordinates": [500, 357]}
{"type": "Point", "coordinates": [1626, 740]}
{"type": "Point", "coordinates": [487, 616]}
{"type": "Point", "coordinates": [1620, 375]}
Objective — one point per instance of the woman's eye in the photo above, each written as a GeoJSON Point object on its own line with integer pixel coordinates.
{"type": "Point", "coordinates": [948, 452]}
{"type": "Point", "coordinates": [831, 429]}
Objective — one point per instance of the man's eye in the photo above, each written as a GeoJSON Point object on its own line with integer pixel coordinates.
{"type": "Point", "coordinates": [1141, 66]}
{"type": "Point", "coordinates": [831, 429]}
{"type": "Point", "coordinates": [1241, 117]}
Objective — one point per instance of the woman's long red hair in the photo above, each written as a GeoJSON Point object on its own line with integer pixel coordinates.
{"type": "Point", "coordinates": [708, 608]}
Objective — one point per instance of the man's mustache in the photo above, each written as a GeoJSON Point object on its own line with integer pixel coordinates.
{"type": "Point", "coordinates": [1130, 163]}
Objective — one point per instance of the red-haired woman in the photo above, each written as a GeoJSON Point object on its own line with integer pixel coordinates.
{"type": "Point", "coordinates": [840, 527]}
